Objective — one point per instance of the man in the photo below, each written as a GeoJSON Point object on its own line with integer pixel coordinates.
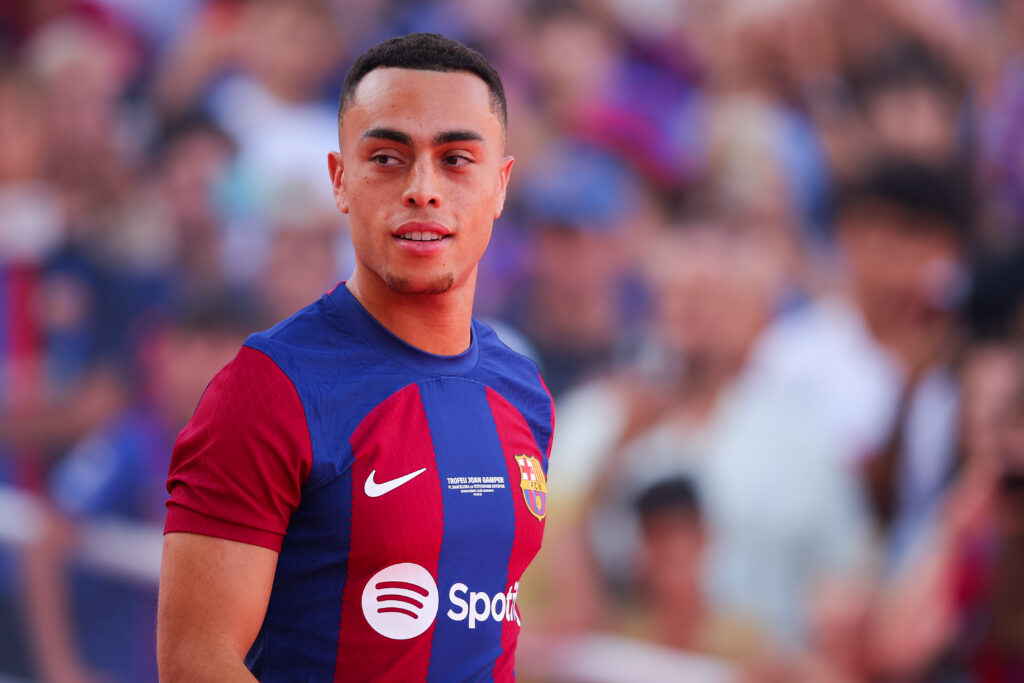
{"type": "Point", "coordinates": [361, 489]}
{"type": "Point", "coordinates": [872, 361]}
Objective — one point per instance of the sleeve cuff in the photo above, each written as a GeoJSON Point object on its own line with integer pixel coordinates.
{"type": "Point", "coordinates": [189, 521]}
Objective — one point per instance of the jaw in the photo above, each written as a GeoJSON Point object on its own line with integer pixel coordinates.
{"type": "Point", "coordinates": [438, 283]}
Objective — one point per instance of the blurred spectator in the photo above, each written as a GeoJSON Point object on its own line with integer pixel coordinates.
{"type": "Point", "coordinates": [261, 68]}
{"type": "Point", "coordinates": [83, 292]}
{"type": "Point", "coordinates": [84, 68]}
{"type": "Point", "coordinates": [783, 516]}
{"type": "Point", "coordinates": [573, 59]}
{"type": "Point", "coordinates": [91, 626]}
{"type": "Point", "coordinates": [31, 228]}
{"type": "Point", "coordinates": [588, 219]}
{"type": "Point", "coordinates": [673, 608]}
{"type": "Point", "coordinates": [999, 127]}
{"type": "Point", "coordinates": [871, 362]}
{"type": "Point", "coordinates": [192, 159]}
{"type": "Point", "coordinates": [913, 104]}
{"type": "Point", "coordinates": [308, 254]}
{"type": "Point", "coordinates": [31, 225]}
{"type": "Point", "coordinates": [956, 612]}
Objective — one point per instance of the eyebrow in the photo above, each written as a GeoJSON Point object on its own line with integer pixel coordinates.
{"type": "Point", "coordinates": [388, 134]}
{"type": "Point", "coordinates": [457, 136]}
{"type": "Point", "coordinates": [442, 138]}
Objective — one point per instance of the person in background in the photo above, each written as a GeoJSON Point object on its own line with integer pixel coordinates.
{"type": "Point", "coordinates": [672, 606]}
{"type": "Point", "coordinates": [957, 612]}
{"type": "Point", "coordinates": [912, 102]}
{"type": "Point", "coordinates": [91, 626]}
{"type": "Point", "coordinates": [308, 252]}
{"type": "Point", "coordinates": [88, 292]}
{"type": "Point", "coordinates": [871, 360]}
{"type": "Point", "coordinates": [184, 201]}
{"type": "Point", "coordinates": [588, 220]}
{"type": "Point", "coordinates": [783, 516]}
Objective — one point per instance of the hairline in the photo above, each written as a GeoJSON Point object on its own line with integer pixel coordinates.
{"type": "Point", "coordinates": [348, 96]}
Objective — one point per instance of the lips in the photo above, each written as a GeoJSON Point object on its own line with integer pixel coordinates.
{"type": "Point", "coordinates": [422, 237]}
{"type": "Point", "coordinates": [421, 231]}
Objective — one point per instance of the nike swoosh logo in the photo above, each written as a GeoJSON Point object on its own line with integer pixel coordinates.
{"type": "Point", "coordinates": [374, 489]}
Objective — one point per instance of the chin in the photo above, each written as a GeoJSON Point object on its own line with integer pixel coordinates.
{"type": "Point", "coordinates": [438, 284]}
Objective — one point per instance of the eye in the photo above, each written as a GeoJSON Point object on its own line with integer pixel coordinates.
{"type": "Point", "coordinates": [385, 159]}
{"type": "Point", "coordinates": [456, 160]}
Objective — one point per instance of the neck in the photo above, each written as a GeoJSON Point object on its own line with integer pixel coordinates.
{"type": "Point", "coordinates": [679, 623]}
{"type": "Point", "coordinates": [707, 374]}
{"type": "Point", "coordinates": [436, 323]}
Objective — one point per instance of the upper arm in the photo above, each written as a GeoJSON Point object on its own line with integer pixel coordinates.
{"type": "Point", "coordinates": [235, 478]}
{"type": "Point", "coordinates": [213, 597]}
{"type": "Point", "coordinates": [239, 466]}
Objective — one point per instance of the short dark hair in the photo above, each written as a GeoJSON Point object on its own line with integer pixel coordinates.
{"type": "Point", "coordinates": [425, 52]}
{"type": "Point", "coordinates": [676, 495]}
{"type": "Point", "coordinates": [906, 64]}
{"type": "Point", "coordinates": [939, 192]}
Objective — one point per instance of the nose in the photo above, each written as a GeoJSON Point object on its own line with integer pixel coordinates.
{"type": "Point", "coordinates": [424, 186]}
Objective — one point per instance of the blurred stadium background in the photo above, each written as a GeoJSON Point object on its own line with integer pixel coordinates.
{"type": "Point", "coordinates": [769, 255]}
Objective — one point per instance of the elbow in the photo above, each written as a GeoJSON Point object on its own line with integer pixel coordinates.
{"type": "Point", "coordinates": [201, 663]}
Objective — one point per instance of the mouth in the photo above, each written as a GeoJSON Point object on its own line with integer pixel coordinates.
{"type": "Point", "coordinates": [423, 233]}
{"type": "Point", "coordinates": [423, 236]}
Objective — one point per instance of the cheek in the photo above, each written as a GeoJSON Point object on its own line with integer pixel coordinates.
{"type": "Point", "coordinates": [366, 208]}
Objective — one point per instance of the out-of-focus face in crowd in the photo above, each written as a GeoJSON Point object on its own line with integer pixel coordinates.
{"type": "Point", "coordinates": [714, 288]}
{"type": "Point", "coordinates": [903, 268]}
{"type": "Point", "coordinates": [191, 170]}
{"type": "Point", "coordinates": [672, 555]}
{"type": "Point", "coordinates": [84, 70]}
{"type": "Point", "coordinates": [181, 362]}
{"type": "Point", "coordinates": [292, 47]}
{"type": "Point", "coordinates": [574, 59]}
{"type": "Point", "coordinates": [991, 377]}
{"type": "Point", "coordinates": [912, 103]}
{"type": "Point", "coordinates": [992, 421]}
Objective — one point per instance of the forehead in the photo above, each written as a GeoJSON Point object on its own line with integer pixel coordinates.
{"type": "Point", "coordinates": [419, 101]}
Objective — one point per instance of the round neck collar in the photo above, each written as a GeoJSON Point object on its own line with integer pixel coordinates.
{"type": "Point", "coordinates": [357, 319]}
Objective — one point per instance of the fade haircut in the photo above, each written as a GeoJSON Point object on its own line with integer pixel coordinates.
{"type": "Point", "coordinates": [425, 52]}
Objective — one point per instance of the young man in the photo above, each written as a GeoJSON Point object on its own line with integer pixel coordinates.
{"type": "Point", "coordinates": [361, 488]}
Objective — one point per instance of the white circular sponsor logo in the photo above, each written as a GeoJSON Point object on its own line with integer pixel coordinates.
{"type": "Point", "coordinates": [400, 601]}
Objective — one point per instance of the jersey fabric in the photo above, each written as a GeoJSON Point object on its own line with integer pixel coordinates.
{"type": "Point", "coordinates": [404, 491]}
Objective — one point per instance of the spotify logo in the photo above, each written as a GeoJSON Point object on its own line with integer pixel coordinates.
{"type": "Point", "coordinates": [400, 601]}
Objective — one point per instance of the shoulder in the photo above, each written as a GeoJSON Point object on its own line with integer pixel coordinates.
{"type": "Point", "coordinates": [314, 338]}
{"type": "Point", "coordinates": [238, 466]}
{"type": "Point", "coordinates": [497, 356]}
{"type": "Point", "coordinates": [506, 369]}
{"type": "Point", "coordinates": [305, 329]}
{"type": "Point", "coordinates": [517, 379]}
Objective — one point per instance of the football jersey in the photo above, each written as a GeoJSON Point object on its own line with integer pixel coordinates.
{"type": "Point", "coordinates": [404, 491]}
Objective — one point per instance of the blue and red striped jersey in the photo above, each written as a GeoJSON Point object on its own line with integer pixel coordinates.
{"type": "Point", "coordinates": [404, 491]}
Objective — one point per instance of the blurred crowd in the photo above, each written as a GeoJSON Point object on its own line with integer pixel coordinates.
{"type": "Point", "coordinates": [769, 255]}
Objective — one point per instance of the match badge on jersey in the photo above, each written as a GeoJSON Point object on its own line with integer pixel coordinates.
{"type": "Point", "coordinates": [535, 487]}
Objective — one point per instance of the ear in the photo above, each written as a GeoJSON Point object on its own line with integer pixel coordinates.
{"type": "Point", "coordinates": [336, 166]}
{"type": "Point", "coordinates": [503, 173]}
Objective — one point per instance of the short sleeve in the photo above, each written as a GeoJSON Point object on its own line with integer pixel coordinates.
{"type": "Point", "coordinates": [238, 467]}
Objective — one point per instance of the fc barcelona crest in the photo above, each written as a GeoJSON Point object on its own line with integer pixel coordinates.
{"type": "Point", "coordinates": [535, 487]}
